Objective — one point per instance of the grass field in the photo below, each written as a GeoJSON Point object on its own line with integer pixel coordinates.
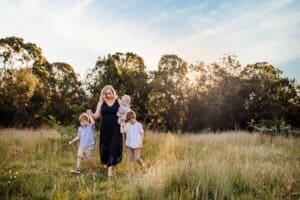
{"type": "Point", "coordinates": [233, 165]}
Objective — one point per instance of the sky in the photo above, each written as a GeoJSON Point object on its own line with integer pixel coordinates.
{"type": "Point", "coordinates": [79, 31]}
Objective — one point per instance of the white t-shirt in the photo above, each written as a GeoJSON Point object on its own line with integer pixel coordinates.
{"type": "Point", "coordinates": [133, 134]}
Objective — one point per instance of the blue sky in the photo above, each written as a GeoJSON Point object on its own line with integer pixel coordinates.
{"type": "Point", "coordinates": [77, 32]}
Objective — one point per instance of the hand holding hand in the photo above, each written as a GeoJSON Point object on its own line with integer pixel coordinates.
{"type": "Point", "coordinates": [89, 111]}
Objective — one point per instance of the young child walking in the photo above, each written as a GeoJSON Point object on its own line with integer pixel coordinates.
{"type": "Point", "coordinates": [134, 140]}
{"type": "Point", "coordinates": [123, 109]}
{"type": "Point", "coordinates": [86, 136]}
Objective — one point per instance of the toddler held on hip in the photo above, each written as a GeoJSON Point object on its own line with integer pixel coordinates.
{"type": "Point", "coordinates": [123, 109]}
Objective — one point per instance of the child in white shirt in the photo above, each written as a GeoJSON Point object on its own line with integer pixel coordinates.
{"type": "Point", "coordinates": [134, 140]}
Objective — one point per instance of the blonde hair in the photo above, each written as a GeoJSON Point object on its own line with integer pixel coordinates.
{"type": "Point", "coordinates": [125, 96]}
{"type": "Point", "coordinates": [105, 88]}
{"type": "Point", "coordinates": [84, 116]}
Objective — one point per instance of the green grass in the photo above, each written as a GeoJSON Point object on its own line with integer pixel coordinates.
{"type": "Point", "coordinates": [232, 165]}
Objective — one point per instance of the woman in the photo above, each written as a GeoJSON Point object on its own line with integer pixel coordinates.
{"type": "Point", "coordinates": [111, 141]}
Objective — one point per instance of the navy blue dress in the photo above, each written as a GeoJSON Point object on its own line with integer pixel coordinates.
{"type": "Point", "coordinates": [111, 140]}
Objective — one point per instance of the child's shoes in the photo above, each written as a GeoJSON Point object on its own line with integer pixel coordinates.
{"type": "Point", "coordinates": [144, 170]}
{"type": "Point", "coordinates": [75, 171]}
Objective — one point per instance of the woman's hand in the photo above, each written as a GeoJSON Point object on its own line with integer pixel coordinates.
{"type": "Point", "coordinates": [89, 111]}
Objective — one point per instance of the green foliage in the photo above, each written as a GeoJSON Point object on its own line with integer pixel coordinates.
{"type": "Point", "coordinates": [11, 183]}
{"type": "Point", "coordinates": [126, 73]}
{"type": "Point", "coordinates": [67, 98]}
{"type": "Point", "coordinates": [64, 131]}
{"type": "Point", "coordinates": [37, 88]}
{"type": "Point", "coordinates": [295, 132]}
{"type": "Point", "coordinates": [177, 96]}
{"type": "Point", "coordinates": [167, 107]}
{"type": "Point", "coordinates": [272, 127]}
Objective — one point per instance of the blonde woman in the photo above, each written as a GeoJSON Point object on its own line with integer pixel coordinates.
{"type": "Point", "coordinates": [111, 141]}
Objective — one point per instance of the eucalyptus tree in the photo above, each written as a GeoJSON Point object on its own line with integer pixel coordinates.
{"type": "Point", "coordinates": [16, 92]}
{"type": "Point", "coordinates": [32, 88]}
{"type": "Point", "coordinates": [126, 73]}
{"type": "Point", "coordinates": [18, 81]}
{"type": "Point", "coordinates": [226, 95]}
{"type": "Point", "coordinates": [216, 97]}
{"type": "Point", "coordinates": [196, 118]}
{"type": "Point", "coordinates": [133, 81]}
{"type": "Point", "coordinates": [168, 98]}
{"type": "Point", "coordinates": [15, 53]}
{"type": "Point", "coordinates": [67, 94]}
{"type": "Point", "coordinates": [269, 95]}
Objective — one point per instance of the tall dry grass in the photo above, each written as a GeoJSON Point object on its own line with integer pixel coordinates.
{"type": "Point", "coordinates": [231, 165]}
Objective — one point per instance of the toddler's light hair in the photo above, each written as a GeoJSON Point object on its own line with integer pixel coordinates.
{"type": "Point", "coordinates": [84, 116]}
{"type": "Point", "coordinates": [126, 97]}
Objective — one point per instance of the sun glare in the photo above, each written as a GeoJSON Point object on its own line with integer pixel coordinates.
{"type": "Point", "coordinates": [192, 77]}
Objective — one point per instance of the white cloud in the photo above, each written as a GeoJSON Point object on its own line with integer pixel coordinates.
{"type": "Point", "coordinates": [264, 34]}
{"type": "Point", "coordinates": [77, 32]}
{"type": "Point", "coordinates": [67, 35]}
{"type": "Point", "coordinates": [79, 6]}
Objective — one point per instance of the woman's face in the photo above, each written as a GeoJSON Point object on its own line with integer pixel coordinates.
{"type": "Point", "coordinates": [108, 94]}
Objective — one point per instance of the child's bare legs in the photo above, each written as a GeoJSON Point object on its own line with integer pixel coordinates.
{"type": "Point", "coordinates": [130, 159]}
{"type": "Point", "coordinates": [90, 165]}
{"type": "Point", "coordinates": [78, 163]}
{"type": "Point", "coordinates": [131, 166]}
{"type": "Point", "coordinates": [80, 154]}
{"type": "Point", "coordinates": [141, 163]}
{"type": "Point", "coordinates": [88, 155]}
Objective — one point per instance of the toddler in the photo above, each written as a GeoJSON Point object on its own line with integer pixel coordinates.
{"type": "Point", "coordinates": [123, 109]}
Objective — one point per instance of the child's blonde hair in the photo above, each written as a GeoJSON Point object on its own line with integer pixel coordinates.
{"type": "Point", "coordinates": [126, 97]}
{"type": "Point", "coordinates": [84, 116]}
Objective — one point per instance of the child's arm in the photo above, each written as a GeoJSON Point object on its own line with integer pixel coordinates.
{"type": "Point", "coordinates": [75, 139]}
{"type": "Point", "coordinates": [122, 129]}
{"type": "Point", "coordinates": [97, 113]}
{"type": "Point", "coordinates": [121, 110]}
{"type": "Point", "coordinates": [142, 135]}
{"type": "Point", "coordinates": [92, 120]}
{"type": "Point", "coordinates": [142, 139]}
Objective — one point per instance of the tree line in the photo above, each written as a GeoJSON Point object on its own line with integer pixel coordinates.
{"type": "Point", "coordinates": [178, 96]}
